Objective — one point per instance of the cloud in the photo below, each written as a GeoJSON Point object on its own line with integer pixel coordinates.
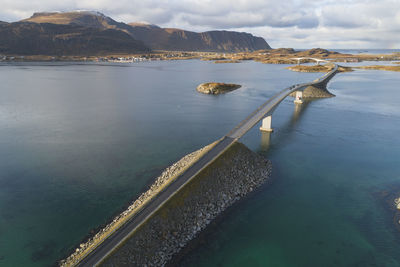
{"type": "Point", "coordinates": [292, 23]}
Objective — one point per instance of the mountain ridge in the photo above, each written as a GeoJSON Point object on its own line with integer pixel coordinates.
{"type": "Point", "coordinates": [158, 38]}
{"type": "Point", "coordinates": [26, 38]}
{"type": "Point", "coordinates": [155, 37]}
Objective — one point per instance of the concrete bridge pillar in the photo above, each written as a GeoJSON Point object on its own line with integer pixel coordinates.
{"type": "Point", "coordinates": [266, 124]}
{"type": "Point", "coordinates": [299, 97]}
{"type": "Point", "coordinates": [265, 140]}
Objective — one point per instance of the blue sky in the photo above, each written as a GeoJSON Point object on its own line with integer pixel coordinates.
{"type": "Point", "coordinates": [291, 23]}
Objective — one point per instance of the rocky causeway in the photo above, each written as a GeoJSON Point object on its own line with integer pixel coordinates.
{"type": "Point", "coordinates": [237, 172]}
{"type": "Point", "coordinates": [229, 178]}
{"type": "Point", "coordinates": [167, 176]}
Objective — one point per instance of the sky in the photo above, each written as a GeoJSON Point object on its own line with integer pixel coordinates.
{"type": "Point", "coordinates": [336, 24]}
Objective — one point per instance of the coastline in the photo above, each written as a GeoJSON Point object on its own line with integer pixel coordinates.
{"type": "Point", "coordinates": [270, 56]}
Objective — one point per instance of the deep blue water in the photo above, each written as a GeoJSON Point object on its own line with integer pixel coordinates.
{"type": "Point", "coordinates": [79, 141]}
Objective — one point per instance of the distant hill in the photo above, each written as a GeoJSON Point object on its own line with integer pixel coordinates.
{"type": "Point", "coordinates": [155, 37]}
{"type": "Point", "coordinates": [26, 38]}
{"type": "Point", "coordinates": [316, 52]}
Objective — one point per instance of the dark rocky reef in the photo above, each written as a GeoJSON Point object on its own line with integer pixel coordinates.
{"type": "Point", "coordinates": [397, 213]}
{"type": "Point", "coordinates": [232, 176]}
{"type": "Point", "coordinates": [390, 198]}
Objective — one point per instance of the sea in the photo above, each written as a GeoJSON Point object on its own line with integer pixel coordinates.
{"type": "Point", "coordinates": [80, 141]}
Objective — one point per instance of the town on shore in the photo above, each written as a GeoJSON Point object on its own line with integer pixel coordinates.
{"type": "Point", "coordinates": [269, 56]}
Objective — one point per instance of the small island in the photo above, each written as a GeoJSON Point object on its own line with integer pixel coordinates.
{"type": "Point", "coordinates": [380, 67]}
{"type": "Point", "coordinates": [317, 68]}
{"type": "Point", "coordinates": [227, 61]}
{"type": "Point", "coordinates": [217, 88]}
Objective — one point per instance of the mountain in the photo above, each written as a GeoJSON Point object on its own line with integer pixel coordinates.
{"type": "Point", "coordinates": [90, 19]}
{"type": "Point", "coordinates": [158, 38]}
{"type": "Point", "coordinates": [27, 38]}
{"type": "Point", "coordinates": [180, 40]}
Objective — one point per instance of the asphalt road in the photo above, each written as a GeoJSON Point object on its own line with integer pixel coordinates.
{"type": "Point", "coordinates": [124, 232]}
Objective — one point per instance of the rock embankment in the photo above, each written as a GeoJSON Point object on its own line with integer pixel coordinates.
{"type": "Point", "coordinates": [312, 92]}
{"type": "Point", "coordinates": [217, 88]}
{"type": "Point", "coordinates": [232, 176]}
{"type": "Point", "coordinates": [163, 180]}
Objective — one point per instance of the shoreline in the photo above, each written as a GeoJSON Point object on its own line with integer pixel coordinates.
{"type": "Point", "coordinates": [273, 56]}
{"type": "Point", "coordinates": [270, 56]}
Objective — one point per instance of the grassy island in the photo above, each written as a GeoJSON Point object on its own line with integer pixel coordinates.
{"type": "Point", "coordinates": [380, 67]}
{"type": "Point", "coordinates": [217, 88]}
{"type": "Point", "coordinates": [227, 61]}
{"type": "Point", "coordinates": [317, 68]}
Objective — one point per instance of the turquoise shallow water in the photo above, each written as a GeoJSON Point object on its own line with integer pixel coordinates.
{"type": "Point", "coordinates": [78, 141]}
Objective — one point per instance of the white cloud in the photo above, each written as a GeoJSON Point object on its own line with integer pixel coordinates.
{"type": "Point", "coordinates": [292, 23]}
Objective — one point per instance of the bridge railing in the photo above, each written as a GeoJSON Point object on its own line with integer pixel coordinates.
{"type": "Point", "coordinates": [254, 113]}
{"type": "Point", "coordinates": [278, 98]}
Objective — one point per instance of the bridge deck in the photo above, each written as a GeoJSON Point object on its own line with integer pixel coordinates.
{"type": "Point", "coordinates": [123, 233]}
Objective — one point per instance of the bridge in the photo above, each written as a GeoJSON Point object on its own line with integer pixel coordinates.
{"type": "Point", "coordinates": [264, 113]}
